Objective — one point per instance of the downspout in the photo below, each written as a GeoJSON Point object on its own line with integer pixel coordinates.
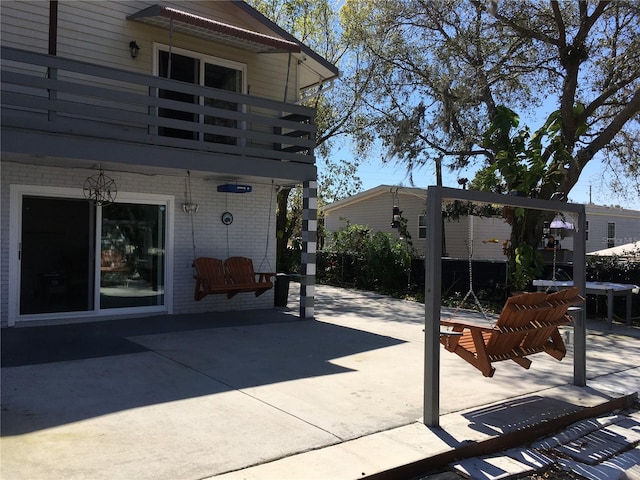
{"type": "Point", "coordinates": [52, 72]}
{"type": "Point", "coordinates": [53, 27]}
{"type": "Point", "coordinates": [286, 83]}
{"type": "Point", "coordinates": [170, 47]}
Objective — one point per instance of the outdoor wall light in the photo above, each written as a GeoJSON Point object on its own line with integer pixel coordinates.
{"type": "Point", "coordinates": [134, 48]}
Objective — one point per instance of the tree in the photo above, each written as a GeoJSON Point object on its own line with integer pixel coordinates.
{"type": "Point", "coordinates": [316, 24]}
{"type": "Point", "coordinates": [443, 69]}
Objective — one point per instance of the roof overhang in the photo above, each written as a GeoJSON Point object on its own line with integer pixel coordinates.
{"type": "Point", "coordinates": [314, 68]}
{"type": "Point", "coordinates": [209, 29]}
{"type": "Point", "coordinates": [374, 192]}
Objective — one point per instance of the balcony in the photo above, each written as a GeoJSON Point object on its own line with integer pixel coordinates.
{"type": "Point", "coordinates": [55, 106]}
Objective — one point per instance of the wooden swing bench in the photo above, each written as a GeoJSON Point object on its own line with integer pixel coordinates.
{"type": "Point", "coordinates": [528, 324]}
{"type": "Point", "coordinates": [234, 275]}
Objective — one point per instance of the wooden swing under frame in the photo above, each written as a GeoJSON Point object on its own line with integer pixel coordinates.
{"type": "Point", "coordinates": [528, 324]}
{"type": "Point", "coordinates": [433, 280]}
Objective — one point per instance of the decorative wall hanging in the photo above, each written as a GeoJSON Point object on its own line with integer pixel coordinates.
{"type": "Point", "coordinates": [100, 189]}
{"type": "Point", "coordinates": [227, 218]}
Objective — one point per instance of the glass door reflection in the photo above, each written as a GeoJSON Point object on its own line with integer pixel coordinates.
{"type": "Point", "coordinates": [132, 247]}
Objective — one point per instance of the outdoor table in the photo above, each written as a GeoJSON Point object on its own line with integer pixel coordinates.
{"type": "Point", "coordinates": [599, 288]}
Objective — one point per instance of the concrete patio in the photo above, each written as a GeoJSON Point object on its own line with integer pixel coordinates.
{"type": "Point", "coordinates": [267, 395]}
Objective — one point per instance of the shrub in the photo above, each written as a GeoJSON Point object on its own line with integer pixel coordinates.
{"type": "Point", "coordinates": [362, 259]}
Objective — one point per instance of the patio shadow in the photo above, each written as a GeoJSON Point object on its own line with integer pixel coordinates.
{"type": "Point", "coordinates": [90, 371]}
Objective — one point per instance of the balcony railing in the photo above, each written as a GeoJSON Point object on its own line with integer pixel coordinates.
{"type": "Point", "coordinates": [59, 95]}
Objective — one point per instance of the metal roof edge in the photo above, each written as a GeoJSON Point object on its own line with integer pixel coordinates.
{"type": "Point", "coordinates": [280, 31]}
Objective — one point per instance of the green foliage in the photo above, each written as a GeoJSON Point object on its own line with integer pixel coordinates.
{"type": "Point", "coordinates": [520, 164]}
{"type": "Point", "coordinates": [457, 209]}
{"type": "Point", "coordinates": [525, 265]}
{"type": "Point", "coordinates": [521, 161]}
{"type": "Point", "coordinates": [612, 269]}
{"type": "Point", "coordinates": [441, 68]}
{"type": "Point", "coordinates": [364, 259]}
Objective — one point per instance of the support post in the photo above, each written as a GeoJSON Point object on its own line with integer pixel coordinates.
{"type": "Point", "coordinates": [433, 300]}
{"type": "Point", "coordinates": [579, 280]}
{"type": "Point", "coordinates": [309, 245]}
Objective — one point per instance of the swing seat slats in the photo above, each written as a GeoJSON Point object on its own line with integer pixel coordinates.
{"type": "Point", "coordinates": [234, 275]}
{"type": "Point", "coordinates": [243, 277]}
{"type": "Point", "coordinates": [528, 324]}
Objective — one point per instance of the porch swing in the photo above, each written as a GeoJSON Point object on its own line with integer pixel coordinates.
{"type": "Point", "coordinates": [528, 324]}
{"type": "Point", "coordinates": [233, 275]}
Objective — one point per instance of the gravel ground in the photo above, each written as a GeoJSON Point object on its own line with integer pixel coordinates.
{"type": "Point", "coordinates": [554, 472]}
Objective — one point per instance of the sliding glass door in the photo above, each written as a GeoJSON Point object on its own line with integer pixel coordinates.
{"type": "Point", "coordinates": [56, 268]}
{"type": "Point", "coordinates": [75, 257]}
{"type": "Point", "coordinates": [132, 248]}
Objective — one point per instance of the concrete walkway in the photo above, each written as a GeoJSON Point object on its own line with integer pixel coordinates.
{"type": "Point", "coordinates": [267, 395]}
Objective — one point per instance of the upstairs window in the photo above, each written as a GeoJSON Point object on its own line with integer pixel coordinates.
{"type": "Point", "coordinates": [196, 69]}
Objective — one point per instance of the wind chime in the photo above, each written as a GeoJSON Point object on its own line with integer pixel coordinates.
{"type": "Point", "coordinates": [100, 189]}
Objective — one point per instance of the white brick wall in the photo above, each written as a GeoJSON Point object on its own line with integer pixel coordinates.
{"type": "Point", "coordinates": [246, 236]}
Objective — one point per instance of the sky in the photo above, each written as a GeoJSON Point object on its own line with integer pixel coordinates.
{"type": "Point", "coordinates": [590, 188]}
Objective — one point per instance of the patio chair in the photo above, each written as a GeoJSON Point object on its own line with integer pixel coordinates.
{"type": "Point", "coordinates": [528, 324]}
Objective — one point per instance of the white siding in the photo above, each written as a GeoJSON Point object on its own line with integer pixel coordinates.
{"type": "Point", "coordinates": [375, 211]}
{"type": "Point", "coordinates": [627, 226]}
{"type": "Point", "coordinates": [374, 208]}
{"type": "Point", "coordinates": [25, 24]}
{"type": "Point", "coordinates": [246, 236]}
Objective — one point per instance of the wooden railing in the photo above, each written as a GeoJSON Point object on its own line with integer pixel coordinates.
{"type": "Point", "coordinates": [59, 95]}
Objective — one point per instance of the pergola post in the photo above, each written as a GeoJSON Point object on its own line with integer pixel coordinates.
{"type": "Point", "coordinates": [579, 319]}
{"type": "Point", "coordinates": [309, 246]}
{"type": "Point", "coordinates": [432, 305]}
{"type": "Point", "coordinates": [433, 283]}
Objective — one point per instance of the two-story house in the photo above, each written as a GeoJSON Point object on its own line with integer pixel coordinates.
{"type": "Point", "coordinates": [138, 136]}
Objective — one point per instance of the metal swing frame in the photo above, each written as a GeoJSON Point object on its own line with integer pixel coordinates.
{"type": "Point", "coordinates": [433, 280]}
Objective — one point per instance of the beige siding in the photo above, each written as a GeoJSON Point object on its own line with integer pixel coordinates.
{"type": "Point", "coordinates": [375, 212]}
{"type": "Point", "coordinates": [99, 32]}
{"type": "Point", "coordinates": [486, 230]}
{"type": "Point", "coordinates": [456, 237]}
{"type": "Point", "coordinates": [25, 24]}
{"type": "Point", "coordinates": [627, 224]}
